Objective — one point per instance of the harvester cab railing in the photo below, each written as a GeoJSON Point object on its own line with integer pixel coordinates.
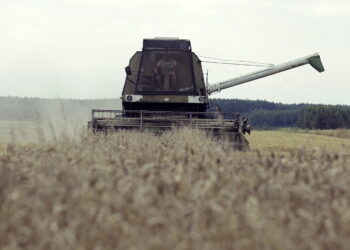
{"type": "Point", "coordinates": [143, 119]}
{"type": "Point", "coordinates": [314, 60]}
{"type": "Point", "coordinates": [109, 114]}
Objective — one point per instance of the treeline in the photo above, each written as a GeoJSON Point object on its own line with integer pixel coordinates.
{"type": "Point", "coordinates": [265, 114]}
{"type": "Point", "coordinates": [324, 117]}
{"type": "Point", "coordinates": [262, 114]}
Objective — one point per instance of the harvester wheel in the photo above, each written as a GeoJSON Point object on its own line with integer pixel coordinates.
{"type": "Point", "coordinates": [239, 142]}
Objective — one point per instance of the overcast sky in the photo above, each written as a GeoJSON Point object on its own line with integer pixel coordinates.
{"type": "Point", "coordinates": [79, 48]}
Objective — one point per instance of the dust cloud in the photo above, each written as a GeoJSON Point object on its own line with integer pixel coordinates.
{"type": "Point", "coordinates": [32, 119]}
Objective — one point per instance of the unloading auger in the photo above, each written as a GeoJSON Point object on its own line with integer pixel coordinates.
{"type": "Point", "coordinates": [314, 60]}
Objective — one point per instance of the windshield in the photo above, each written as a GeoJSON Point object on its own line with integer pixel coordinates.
{"type": "Point", "coordinates": [168, 71]}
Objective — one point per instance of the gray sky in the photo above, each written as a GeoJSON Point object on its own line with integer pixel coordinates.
{"type": "Point", "coordinates": [79, 48]}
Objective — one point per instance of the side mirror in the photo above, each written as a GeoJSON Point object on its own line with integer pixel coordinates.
{"type": "Point", "coordinates": [128, 70]}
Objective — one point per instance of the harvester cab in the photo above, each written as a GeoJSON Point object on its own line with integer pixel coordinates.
{"type": "Point", "coordinates": [165, 76]}
{"type": "Point", "coordinates": [164, 88]}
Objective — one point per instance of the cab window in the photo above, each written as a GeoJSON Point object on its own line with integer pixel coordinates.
{"type": "Point", "coordinates": [168, 71]}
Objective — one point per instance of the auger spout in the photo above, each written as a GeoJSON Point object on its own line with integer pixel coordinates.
{"type": "Point", "coordinates": [314, 60]}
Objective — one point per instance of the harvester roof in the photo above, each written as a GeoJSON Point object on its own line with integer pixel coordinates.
{"type": "Point", "coordinates": [166, 43]}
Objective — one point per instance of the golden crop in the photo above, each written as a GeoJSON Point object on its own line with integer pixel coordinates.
{"type": "Point", "coordinates": [180, 190]}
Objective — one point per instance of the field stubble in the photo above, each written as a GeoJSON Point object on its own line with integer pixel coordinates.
{"type": "Point", "coordinates": [177, 191]}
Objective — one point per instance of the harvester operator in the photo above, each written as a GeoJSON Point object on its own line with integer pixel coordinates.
{"type": "Point", "coordinates": [165, 72]}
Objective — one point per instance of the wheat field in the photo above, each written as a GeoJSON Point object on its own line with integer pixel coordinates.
{"type": "Point", "coordinates": [180, 190]}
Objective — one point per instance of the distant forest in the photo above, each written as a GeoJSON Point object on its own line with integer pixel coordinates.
{"type": "Point", "coordinates": [262, 114]}
{"type": "Point", "coordinates": [266, 114]}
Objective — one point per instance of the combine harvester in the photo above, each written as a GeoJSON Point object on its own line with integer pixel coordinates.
{"type": "Point", "coordinates": [165, 88]}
